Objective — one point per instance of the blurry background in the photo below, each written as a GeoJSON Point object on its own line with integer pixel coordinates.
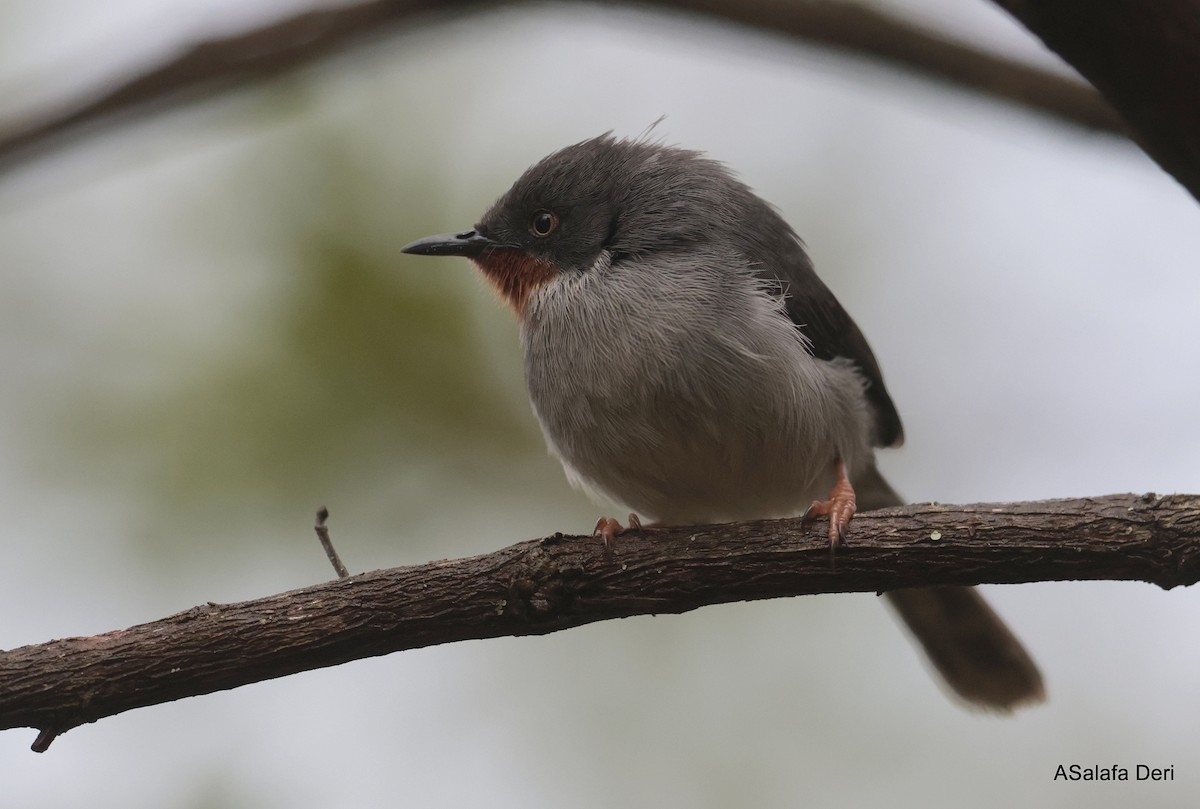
{"type": "Point", "coordinates": [207, 331]}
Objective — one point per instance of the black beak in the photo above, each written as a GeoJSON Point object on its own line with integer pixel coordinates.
{"type": "Point", "coordinates": [469, 243]}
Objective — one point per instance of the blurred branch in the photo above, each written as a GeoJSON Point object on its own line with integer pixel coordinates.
{"type": "Point", "coordinates": [542, 586]}
{"type": "Point", "coordinates": [1144, 57]}
{"type": "Point", "coordinates": [217, 65]}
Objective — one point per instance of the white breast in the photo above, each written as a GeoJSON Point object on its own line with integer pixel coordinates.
{"type": "Point", "coordinates": [686, 394]}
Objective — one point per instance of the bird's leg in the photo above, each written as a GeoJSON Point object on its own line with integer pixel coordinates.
{"type": "Point", "coordinates": [839, 508]}
{"type": "Point", "coordinates": [608, 529]}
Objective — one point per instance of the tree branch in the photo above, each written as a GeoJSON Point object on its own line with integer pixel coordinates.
{"type": "Point", "coordinates": [1144, 57]}
{"type": "Point", "coordinates": [559, 582]}
{"type": "Point", "coordinates": [216, 65]}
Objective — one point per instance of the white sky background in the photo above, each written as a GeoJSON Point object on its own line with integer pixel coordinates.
{"type": "Point", "coordinates": [1030, 290]}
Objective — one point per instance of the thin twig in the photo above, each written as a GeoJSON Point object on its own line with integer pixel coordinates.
{"type": "Point", "coordinates": [42, 743]}
{"type": "Point", "coordinates": [326, 543]}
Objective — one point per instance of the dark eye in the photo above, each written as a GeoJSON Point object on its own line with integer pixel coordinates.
{"type": "Point", "coordinates": [543, 224]}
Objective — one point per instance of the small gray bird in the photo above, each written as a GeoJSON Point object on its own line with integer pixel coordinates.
{"type": "Point", "coordinates": [685, 361]}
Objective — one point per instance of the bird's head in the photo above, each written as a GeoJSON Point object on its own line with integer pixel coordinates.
{"type": "Point", "coordinates": [600, 201]}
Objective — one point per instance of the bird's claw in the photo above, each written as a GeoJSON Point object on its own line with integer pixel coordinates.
{"type": "Point", "coordinates": [608, 529]}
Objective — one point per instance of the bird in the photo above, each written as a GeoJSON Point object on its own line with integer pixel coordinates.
{"type": "Point", "coordinates": [685, 361]}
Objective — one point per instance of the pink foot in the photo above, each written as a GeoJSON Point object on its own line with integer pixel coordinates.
{"type": "Point", "coordinates": [839, 508]}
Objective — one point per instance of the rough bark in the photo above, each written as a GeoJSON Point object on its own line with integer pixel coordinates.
{"type": "Point", "coordinates": [559, 582]}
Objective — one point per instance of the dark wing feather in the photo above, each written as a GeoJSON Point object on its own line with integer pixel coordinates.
{"type": "Point", "coordinates": [680, 199]}
{"type": "Point", "coordinates": [831, 330]}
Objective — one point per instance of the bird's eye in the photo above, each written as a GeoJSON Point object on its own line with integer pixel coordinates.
{"type": "Point", "coordinates": [543, 224]}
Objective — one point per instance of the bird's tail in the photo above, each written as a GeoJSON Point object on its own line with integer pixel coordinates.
{"type": "Point", "coordinates": [970, 646]}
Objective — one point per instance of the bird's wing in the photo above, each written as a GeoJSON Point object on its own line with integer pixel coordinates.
{"type": "Point", "coordinates": [833, 333]}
